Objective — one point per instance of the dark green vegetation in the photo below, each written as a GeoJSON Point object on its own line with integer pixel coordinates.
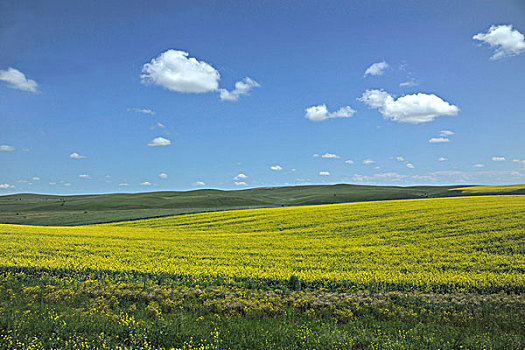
{"type": "Point", "coordinates": [76, 210]}
{"type": "Point", "coordinates": [53, 309]}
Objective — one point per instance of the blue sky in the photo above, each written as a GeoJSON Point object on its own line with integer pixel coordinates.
{"type": "Point", "coordinates": [105, 97]}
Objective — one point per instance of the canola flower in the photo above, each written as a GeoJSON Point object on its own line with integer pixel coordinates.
{"type": "Point", "coordinates": [426, 244]}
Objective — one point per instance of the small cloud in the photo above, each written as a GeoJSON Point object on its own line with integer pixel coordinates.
{"type": "Point", "coordinates": [410, 165]}
{"type": "Point", "coordinates": [75, 155]}
{"type": "Point", "coordinates": [479, 165]}
{"type": "Point", "coordinates": [349, 161]}
{"type": "Point", "coordinates": [445, 133]}
{"type": "Point", "coordinates": [315, 155]}
{"type": "Point", "coordinates": [320, 113]}
{"type": "Point", "coordinates": [376, 68]}
{"type": "Point", "coordinates": [439, 140]}
{"type": "Point", "coordinates": [400, 159]}
{"type": "Point", "coordinates": [242, 87]}
{"type": "Point", "coordinates": [241, 176]}
{"type": "Point", "coordinates": [67, 184]}
{"type": "Point", "coordinates": [25, 150]}
{"type": "Point", "coordinates": [442, 159]}
{"type": "Point", "coordinates": [6, 186]}
{"type": "Point", "coordinates": [52, 183]}
{"type": "Point", "coordinates": [35, 178]}
{"type": "Point", "coordinates": [324, 173]}
{"type": "Point", "coordinates": [146, 183]}
{"type": "Point", "coordinates": [519, 161]}
{"type": "Point", "coordinates": [123, 184]}
{"type": "Point", "coordinates": [498, 159]}
{"type": "Point", "coordinates": [409, 83]}
{"type": "Point", "coordinates": [159, 141]}
{"type": "Point", "coordinates": [84, 176]}
{"type": "Point", "coordinates": [163, 175]}
{"type": "Point", "coordinates": [276, 168]}
{"type": "Point", "coordinates": [15, 79]}
{"type": "Point", "coordinates": [330, 156]}
{"type": "Point", "coordinates": [141, 110]}
{"type": "Point", "coordinates": [240, 183]}
{"type": "Point", "coordinates": [7, 148]}
{"type": "Point", "coordinates": [175, 71]}
{"type": "Point", "coordinates": [199, 183]}
{"type": "Point", "coordinates": [368, 161]}
{"type": "Point", "coordinates": [505, 40]}
{"type": "Point", "coordinates": [413, 109]}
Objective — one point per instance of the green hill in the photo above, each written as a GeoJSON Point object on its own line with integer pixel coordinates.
{"type": "Point", "coordinates": [36, 209]}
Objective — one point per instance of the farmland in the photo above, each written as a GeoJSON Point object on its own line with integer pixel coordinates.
{"type": "Point", "coordinates": [418, 273]}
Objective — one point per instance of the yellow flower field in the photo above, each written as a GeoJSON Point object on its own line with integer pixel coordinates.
{"type": "Point", "coordinates": [458, 243]}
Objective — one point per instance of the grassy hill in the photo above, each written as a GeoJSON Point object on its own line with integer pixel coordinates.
{"type": "Point", "coordinates": [38, 209]}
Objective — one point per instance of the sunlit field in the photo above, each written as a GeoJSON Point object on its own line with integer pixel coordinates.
{"type": "Point", "coordinates": [409, 272]}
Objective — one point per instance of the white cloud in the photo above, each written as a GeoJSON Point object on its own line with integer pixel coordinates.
{"type": "Point", "coordinates": [330, 156]}
{"type": "Point", "coordinates": [276, 168]}
{"type": "Point", "coordinates": [35, 178]}
{"type": "Point", "coordinates": [84, 176]}
{"type": "Point", "coordinates": [324, 173]}
{"type": "Point", "coordinates": [479, 165]}
{"type": "Point", "coordinates": [505, 40]}
{"type": "Point", "coordinates": [519, 161]}
{"type": "Point", "coordinates": [413, 109]}
{"type": "Point", "coordinates": [241, 176]}
{"type": "Point", "coordinates": [123, 184]}
{"type": "Point", "coordinates": [368, 161]}
{"type": "Point", "coordinates": [141, 110]}
{"type": "Point", "coordinates": [5, 186]}
{"type": "Point", "coordinates": [376, 68]}
{"type": "Point", "coordinates": [159, 141]}
{"type": "Point", "coordinates": [15, 79]}
{"type": "Point", "coordinates": [349, 161]}
{"type": "Point", "coordinates": [7, 148]}
{"type": "Point", "coordinates": [400, 159]}
{"type": "Point", "coordinates": [320, 113]}
{"type": "Point", "coordinates": [446, 133]}
{"type": "Point", "coordinates": [146, 183]}
{"type": "Point", "coordinates": [442, 159]}
{"type": "Point", "coordinates": [439, 140]}
{"type": "Point", "coordinates": [163, 175]}
{"type": "Point", "coordinates": [75, 155]}
{"type": "Point", "coordinates": [240, 183]}
{"type": "Point", "coordinates": [67, 184]}
{"type": "Point", "coordinates": [315, 155]}
{"type": "Point", "coordinates": [242, 87]}
{"type": "Point", "coordinates": [408, 83]}
{"type": "Point", "coordinates": [175, 71]}
{"type": "Point", "coordinates": [498, 159]}
{"type": "Point", "coordinates": [199, 183]}
{"type": "Point", "coordinates": [410, 165]}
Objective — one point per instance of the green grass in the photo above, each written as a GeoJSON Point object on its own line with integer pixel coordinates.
{"type": "Point", "coordinates": [514, 189]}
{"type": "Point", "coordinates": [38, 209]}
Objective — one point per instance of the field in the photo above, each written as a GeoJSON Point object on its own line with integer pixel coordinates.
{"type": "Point", "coordinates": [444, 273]}
{"type": "Point", "coordinates": [37, 209]}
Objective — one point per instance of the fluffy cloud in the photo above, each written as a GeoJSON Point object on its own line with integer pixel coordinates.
{"type": "Point", "coordinates": [368, 161]}
{"type": "Point", "coordinates": [505, 40]}
{"type": "Point", "coordinates": [84, 176]}
{"type": "Point", "coordinates": [159, 141]}
{"type": "Point", "coordinates": [75, 155]}
{"type": "Point", "coordinates": [241, 176]}
{"type": "Point", "coordinates": [320, 113]}
{"type": "Point", "coordinates": [175, 71]}
{"type": "Point", "coordinates": [410, 165]}
{"type": "Point", "coordinates": [199, 183]}
{"type": "Point", "coordinates": [330, 156]}
{"type": "Point", "coordinates": [376, 68]}
{"type": "Point", "coordinates": [400, 159]}
{"type": "Point", "coordinates": [349, 161]}
{"type": "Point", "coordinates": [276, 168]}
{"type": "Point", "coordinates": [146, 183]}
{"type": "Point", "coordinates": [498, 159]}
{"type": "Point", "coordinates": [438, 140]}
{"type": "Point", "coordinates": [163, 175]}
{"type": "Point", "coordinates": [414, 109]}
{"type": "Point", "coordinates": [15, 79]}
{"type": "Point", "coordinates": [6, 186]}
{"type": "Point", "coordinates": [242, 87]}
{"type": "Point", "coordinates": [324, 173]}
{"type": "Point", "coordinates": [445, 133]}
{"type": "Point", "coordinates": [7, 148]}
{"type": "Point", "coordinates": [442, 159]}
{"type": "Point", "coordinates": [141, 110]}
{"type": "Point", "coordinates": [240, 183]}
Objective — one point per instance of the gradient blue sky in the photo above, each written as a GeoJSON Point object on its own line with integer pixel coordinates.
{"type": "Point", "coordinates": [87, 59]}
